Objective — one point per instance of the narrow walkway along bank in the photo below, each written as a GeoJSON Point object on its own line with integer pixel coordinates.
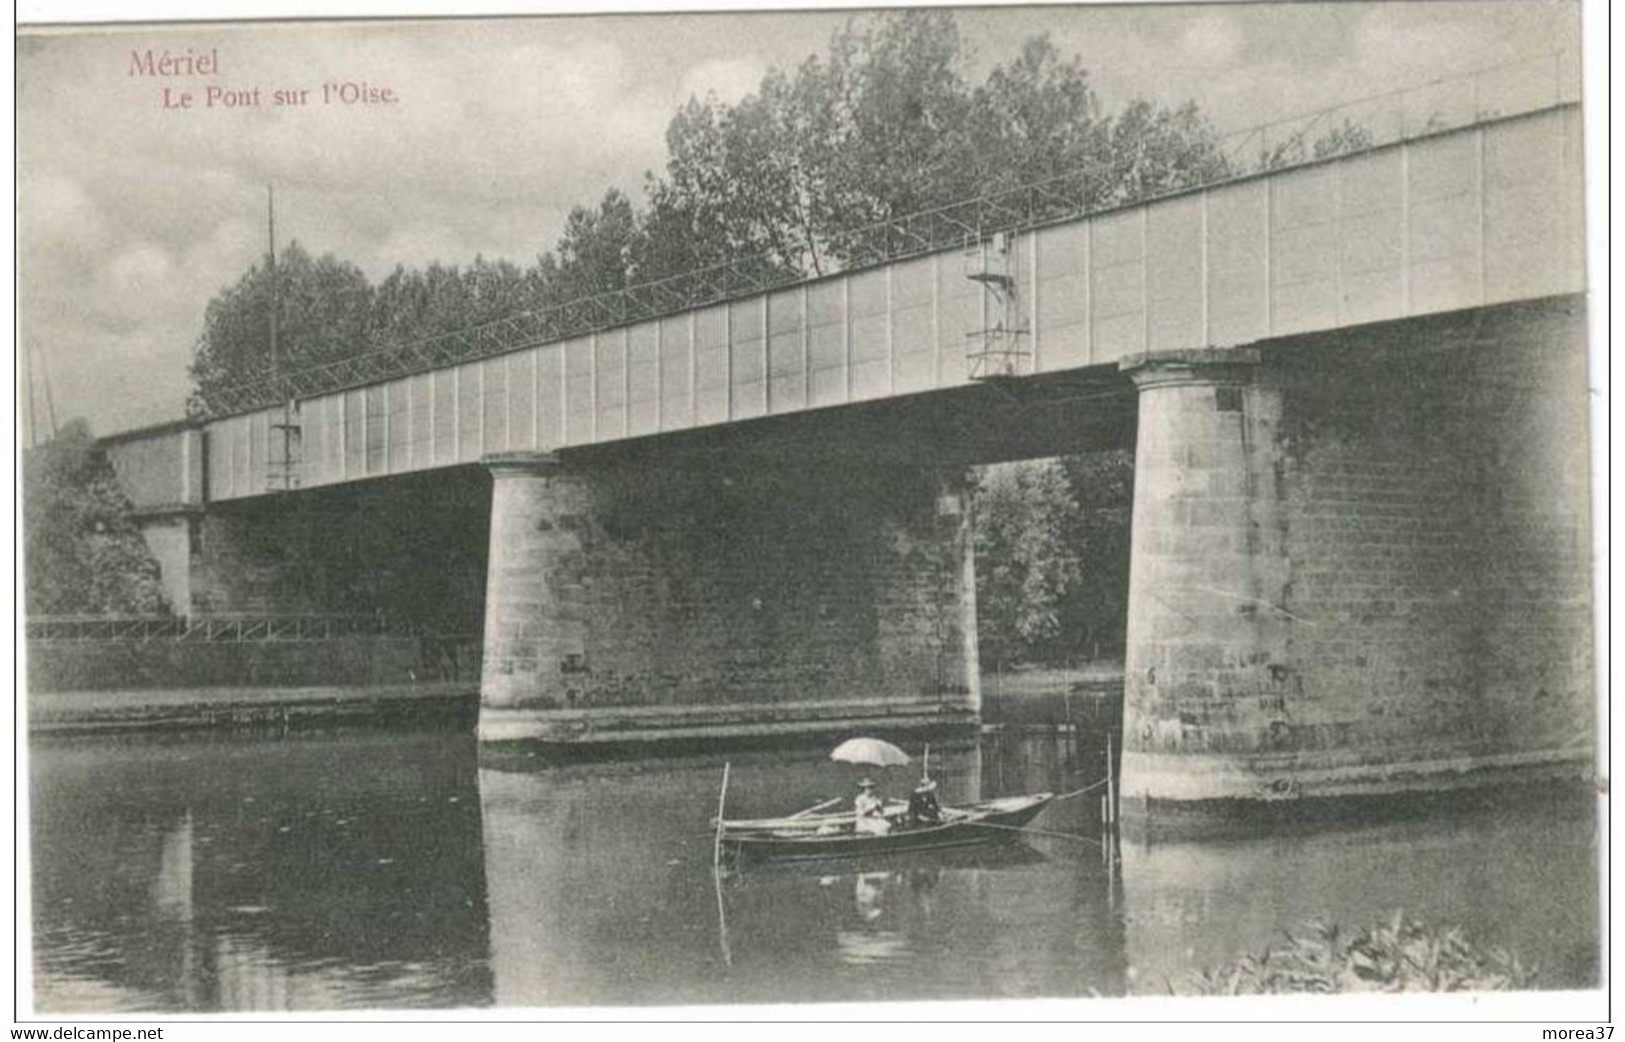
{"type": "Point", "coordinates": [455, 704]}
{"type": "Point", "coordinates": [450, 703]}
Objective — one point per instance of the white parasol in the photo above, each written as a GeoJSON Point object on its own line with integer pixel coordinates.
{"type": "Point", "coordinates": [870, 751]}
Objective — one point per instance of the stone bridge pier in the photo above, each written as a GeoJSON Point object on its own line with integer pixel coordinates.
{"type": "Point", "coordinates": [681, 601]}
{"type": "Point", "coordinates": [1360, 567]}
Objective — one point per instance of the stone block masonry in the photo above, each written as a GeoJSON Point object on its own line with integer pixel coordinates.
{"type": "Point", "coordinates": [723, 597]}
{"type": "Point", "coordinates": [1437, 509]}
{"type": "Point", "coordinates": [1360, 564]}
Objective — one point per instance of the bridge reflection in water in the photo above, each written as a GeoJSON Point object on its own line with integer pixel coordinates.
{"type": "Point", "coordinates": [387, 870]}
{"type": "Point", "coordinates": [254, 874]}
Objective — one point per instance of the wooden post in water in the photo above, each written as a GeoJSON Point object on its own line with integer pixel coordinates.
{"type": "Point", "coordinates": [1111, 783]}
{"type": "Point", "coordinates": [722, 802]}
{"type": "Point", "coordinates": [1105, 833]}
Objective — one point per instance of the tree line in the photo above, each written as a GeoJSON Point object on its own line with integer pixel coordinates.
{"type": "Point", "coordinates": [789, 181]}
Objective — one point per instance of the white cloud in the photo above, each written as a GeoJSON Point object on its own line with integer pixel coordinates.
{"type": "Point", "coordinates": [1212, 38]}
{"type": "Point", "coordinates": [135, 274]}
{"type": "Point", "coordinates": [55, 204]}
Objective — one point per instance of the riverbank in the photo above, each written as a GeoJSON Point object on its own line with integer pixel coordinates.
{"type": "Point", "coordinates": [449, 703]}
{"type": "Point", "coordinates": [1088, 677]}
{"type": "Point", "coordinates": [1086, 698]}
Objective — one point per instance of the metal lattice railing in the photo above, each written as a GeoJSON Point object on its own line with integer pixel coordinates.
{"type": "Point", "coordinates": [1499, 91]}
{"type": "Point", "coordinates": [206, 629]}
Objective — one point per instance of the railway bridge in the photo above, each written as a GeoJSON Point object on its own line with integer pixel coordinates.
{"type": "Point", "coordinates": [1354, 389]}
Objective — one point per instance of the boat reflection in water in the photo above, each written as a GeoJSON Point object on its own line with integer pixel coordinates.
{"type": "Point", "coordinates": [373, 870]}
{"type": "Point", "coordinates": [896, 910]}
{"type": "Point", "coordinates": [872, 940]}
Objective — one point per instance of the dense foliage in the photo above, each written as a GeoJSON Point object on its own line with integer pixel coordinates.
{"type": "Point", "coordinates": [1052, 556]}
{"type": "Point", "coordinates": [83, 554]}
{"type": "Point", "coordinates": [887, 125]}
{"type": "Point", "coordinates": [1403, 954]}
{"type": "Point", "coordinates": [789, 180]}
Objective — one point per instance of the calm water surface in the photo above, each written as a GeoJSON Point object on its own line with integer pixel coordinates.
{"type": "Point", "coordinates": [389, 870]}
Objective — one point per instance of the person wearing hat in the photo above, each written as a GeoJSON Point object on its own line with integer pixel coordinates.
{"type": "Point", "coordinates": [923, 806]}
{"type": "Point", "coordinates": [870, 808]}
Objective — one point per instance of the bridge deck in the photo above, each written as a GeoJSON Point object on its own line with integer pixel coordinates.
{"type": "Point", "coordinates": [1477, 216]}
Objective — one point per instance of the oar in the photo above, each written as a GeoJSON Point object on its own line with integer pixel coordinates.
{"type": "Point", "coordinates": [815, 808]}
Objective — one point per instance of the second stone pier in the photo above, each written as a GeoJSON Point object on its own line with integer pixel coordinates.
{"type": "Point", "coordinates": [629, 602]}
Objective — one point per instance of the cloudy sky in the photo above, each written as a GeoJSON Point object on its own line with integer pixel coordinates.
{"type": "Point", "coordinates": [132, 217]}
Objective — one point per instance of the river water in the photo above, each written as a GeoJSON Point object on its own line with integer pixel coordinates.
{"type": "Point", "coordinates": [389, 870]}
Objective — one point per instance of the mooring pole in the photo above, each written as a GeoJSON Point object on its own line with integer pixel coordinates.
{"type": "Point", "coordinates": [716, 872]}
{"type": "Point", "coordinates": [722, 802]}
{"type": "Point", "coordinates": [1111, 783]}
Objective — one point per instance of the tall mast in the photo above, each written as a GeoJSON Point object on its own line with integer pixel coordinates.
{"type": "Point", "coordinates": [37, 372]}
{"type": "Point", "coordinates": [270, 235]}
{"type": "Point", "coordinates": [50, 400]}
{"type": "Point", "coordinates": [284, 470]}
{"type": "Point", "coordinates": [33, 404]}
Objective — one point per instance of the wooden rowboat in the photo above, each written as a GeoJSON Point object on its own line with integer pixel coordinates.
{"type": "Point", "coordinates": [821, 836]}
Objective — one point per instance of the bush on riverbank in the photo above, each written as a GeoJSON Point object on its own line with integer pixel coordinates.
{"type": "Point", "coordinates": [1404, 954]}
{"type": "Point", "coordinates": [82, 551]}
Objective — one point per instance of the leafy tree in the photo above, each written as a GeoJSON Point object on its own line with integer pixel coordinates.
{"type": "Point", "coordinates": [1093, 609]}
{"type": "Point", "coordinates": [1052, 544]}
{"type": "Point", "coordinates": [1024, 566]}
{"type": "Point", "coordinates": [323, 313]}
{"type": "Point", "coordinates": [900, 125]}
{"type": "Point", "coordinates": [1035, 118]}
{"type": "Point", "coordinates": [83, 554]}
{"type": "Point", "coordinates": [1152, 149]}
{"type": "Point", "coordinates": [598, 252]}
{"type": "Point", "coordinates": [887, 126]}
{"type": "Point", "coordinates": [411, 305]}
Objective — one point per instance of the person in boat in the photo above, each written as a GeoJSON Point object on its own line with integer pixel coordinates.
{"type": "Point", "coordinates": [923, 806]}
{"type": "Point", "coordinates": [871, 811]}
